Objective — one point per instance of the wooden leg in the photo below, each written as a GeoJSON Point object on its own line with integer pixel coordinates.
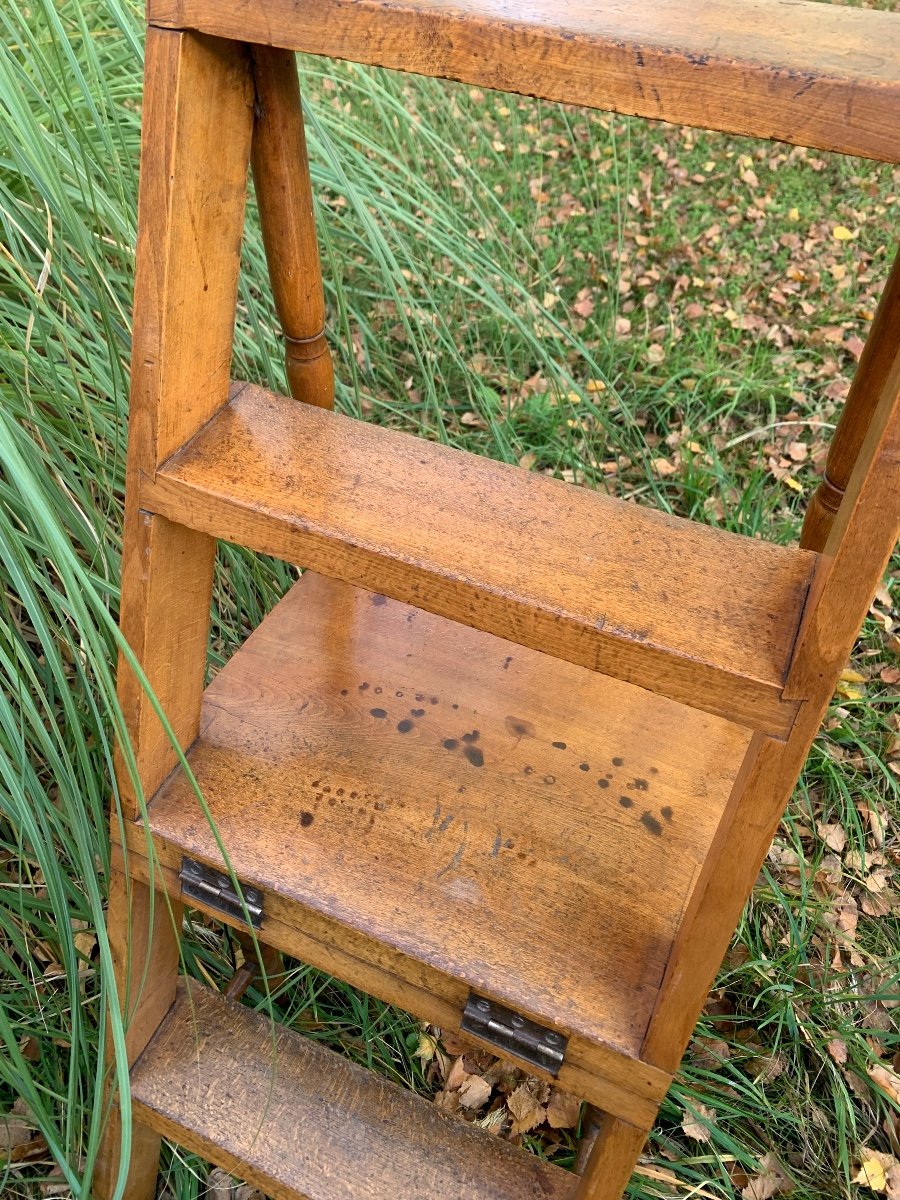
{"type": "Point", "coordinates": [143, 933]}
{"type": "Point", "coordinates": [612, 1158]}
{"type": "Point", "coordinates": [195, 152]}
{"type": "Point", "coordinates": [284, 193]}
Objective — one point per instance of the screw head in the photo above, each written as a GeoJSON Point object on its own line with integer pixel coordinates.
{"type": "Point", "coordinates": [551, 1038]}
{"type": "Point", "coordinates": [518, 1021]}
{"type": "Point", "coordinates": [483, 1006]}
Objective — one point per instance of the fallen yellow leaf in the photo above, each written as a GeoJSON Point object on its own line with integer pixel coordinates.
{"type": "Point", "coordinates": [842, 234]}
{"type": "Point", "coordinates": [871, 1174]}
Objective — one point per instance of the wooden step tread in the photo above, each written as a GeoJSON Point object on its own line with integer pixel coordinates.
{"type": "Point", "coordinates": [817, 75]}
{"type": "Point", "coordinates": [457, 813]}
{"type": "Point", "coordinates": [705, 617]}
{"type": "Point", "coordinates": [299, 1121]}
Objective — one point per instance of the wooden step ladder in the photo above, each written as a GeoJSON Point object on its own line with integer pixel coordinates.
{"type": "Point", "coordinates": [511, 753]}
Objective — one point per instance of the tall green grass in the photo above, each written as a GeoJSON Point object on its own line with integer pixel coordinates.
{"type": "Point", "coordinates": [445, 293]}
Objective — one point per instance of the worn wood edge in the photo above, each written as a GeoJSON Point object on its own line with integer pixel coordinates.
{"type": "Point", "coordinates": [673, 79]}
{"type": "Point", "coordinates": [600, 1073]}
{"type": "Point", "coordinates": [192, 997]}
{"type": "Point", "coordinates": [744, 699]}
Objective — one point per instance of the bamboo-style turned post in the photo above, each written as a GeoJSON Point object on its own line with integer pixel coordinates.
{"type": "Point", "coordinates": [284, 193]}
{"type": "Point", "coordinates": [874, 365]}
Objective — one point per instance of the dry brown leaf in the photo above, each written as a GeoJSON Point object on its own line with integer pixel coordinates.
{"type": "Point", "coordinates": [474, 1092]}
{"type": "Point", "coordinates": [837, 1048]}
{"type": "Point", "coordinates": [886, 1079]}
{"type": "Point", "coordinates": [773, 1180]}
{"type": "Point", "coordinates": [892, 1182]}
{"type": "Point", "coordinates": [525, 1110]}
{"type": "Point", "coordinates": [563, 1110]}
{"type": "Point", "coordinates": [697, 1126]}
{"type": "Point", "coordinates": [656, 354]}
{"type": "Point", "coordinates": [663, 467]}
{"type": "Point", "coordinates": [834, 836]}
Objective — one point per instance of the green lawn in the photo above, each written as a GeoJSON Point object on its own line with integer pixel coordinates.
{"type": "Point", "coordinates": [668, 315]}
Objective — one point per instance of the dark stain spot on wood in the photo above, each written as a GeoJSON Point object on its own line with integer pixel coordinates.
{"type": "Point", "coordinates": [474, 755]}
{"type": "Point", "coordinates": [378, 806]}
{"type": "Point", "coordinates": [340, 792]}
{"type": "Point", "coordinates": [654, 770]}
{"type": "Point", "coordinates": [399, 695]}
{"type": "Point", "coordinates": [626, 801]}
{"type": "Point", "coordinates": [343, 691]}
{"type": "Point", "coordinates": [639, 785]}
{"type": "Point", "coordinates": [506, 662]}
{"type": "Point", "coordinates": [379, 600]}
{"type": "Point", "coordinates": [405, 725]}
{"type": "Point", "coordinates": [419, 697]}
{"type": "Point", "coordinates": [509, 843]}
{"type": "Point", "coordinates": [666, 812]}
{"type": "Point", "coordinates": [469, 738]}
{"type": "Point", "coordinates": [602, 783]}
{"type": "Point", "coordinates": [306, 819]}
{"type": "Point", "coordinates": [450, 743]}
{"type": "Point", "coordinates": [461, 788]}
{"type": "Point", "coordinates": [378, 712]}
{"type": "Point", "coordinates": [650, 822]}
{"type": "Point", "coordinates": [417, 712]}
{"type": "Point", "coordinates": [331, 801]}
{"type": "Point", "coordinates": [618, 762]}
{"type": "Point", "coordinates": [433, 700]}
{"type": "Point", "coordinates": [522, 855]}
{"type": "Point", "coordinates": [528, 770]}
{"type": "Point", "coordinates": [519, 727]}
{"type": "Point", "coordinates": [559, 745]}
{"type": "Point", "coordinates": [454, 706]}
{"type": "Point", "coordinates": [327, 788]}
{"type": "Point", "coordinates": [498, 842]}
{"type": "Point", "coordinates": [354, 795]}
{"type": "Point", "coordinates": [378, 693]}
{"type": "Point", "coordinates": [549, 779]}
{"type": "Point", "coordinates": [363, 687]}
{"type": "Point", "coordinates": [584, 766]}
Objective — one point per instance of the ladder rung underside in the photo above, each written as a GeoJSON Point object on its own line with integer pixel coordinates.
{"type": "Point", "coordinates": [302, 1123]}
{"type": "Point", "coordinates": [703, 616]}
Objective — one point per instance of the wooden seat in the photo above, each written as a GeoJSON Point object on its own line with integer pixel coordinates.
{"type": "Point", "coordinates": [510, 754]}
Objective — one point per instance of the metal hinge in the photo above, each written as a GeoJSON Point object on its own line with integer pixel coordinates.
{"type": "Point", "coordinates": [515, 1034]}
{"type": "Point", "coordinates": [214, 889]}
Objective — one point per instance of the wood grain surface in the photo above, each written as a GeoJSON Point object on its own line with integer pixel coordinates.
{"type": "Point", "coordinates": [522, 825]}
{"type": "Point", "coordinates": [302, 1123]}
{"type": "Point", "coordinates": [706, 617]}
{"type": "Point", "coordinates": [817, 75]}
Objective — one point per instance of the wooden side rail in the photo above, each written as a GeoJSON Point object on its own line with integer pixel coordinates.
{"type": "Point", "coordinates": [871, 376]}
{"type": "Point", "coordinates": [796, 71]}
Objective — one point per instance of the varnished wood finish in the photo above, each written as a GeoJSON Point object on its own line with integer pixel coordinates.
{"type": "Point", "coordinates": [302, 1123]}
{"type": "Point", "coordinates": [613, 1155]}
{"type": "Point", "coordinates": [284, 193]}
{"type": "Point", "coordinates": [428, 808]}
{"type": "Point", "coordinates": [143, 933]}
{"type": "Point", "coordinates": [344, 799]}
{"type": "Point", "coordinates": [874, 367]}
{"type": "Point", "coordinates": [697, 614]}
{"type": "Point", "coordinates": [198, 101]}
{"type": "Point", "coordinates": [792, 70]}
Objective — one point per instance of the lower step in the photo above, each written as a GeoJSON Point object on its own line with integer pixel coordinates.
{"type": "Point", "coordinates": [299, 1121]}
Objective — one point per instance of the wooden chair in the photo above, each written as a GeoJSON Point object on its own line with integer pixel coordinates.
{"type": "Point", "coordinates": [512, 757]}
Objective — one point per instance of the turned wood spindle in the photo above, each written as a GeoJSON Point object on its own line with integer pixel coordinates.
{"type": "Point", "coordinates": [865, 391]}
{"type": "Point", "coordinates": [284, 193]}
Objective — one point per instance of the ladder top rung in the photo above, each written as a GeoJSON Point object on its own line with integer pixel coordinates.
{"type": "Point", "coordinates": [813, 74]}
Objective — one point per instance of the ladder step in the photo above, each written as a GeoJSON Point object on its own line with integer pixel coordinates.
{"type": "Point", "coordinates": [299, 1121]}
{"type": "Point", "coordinates": [429, 811]}
{"type": "Point", "coordinates": [706, 617]}
{"type": "Point", "coordinates": [800, 72]}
